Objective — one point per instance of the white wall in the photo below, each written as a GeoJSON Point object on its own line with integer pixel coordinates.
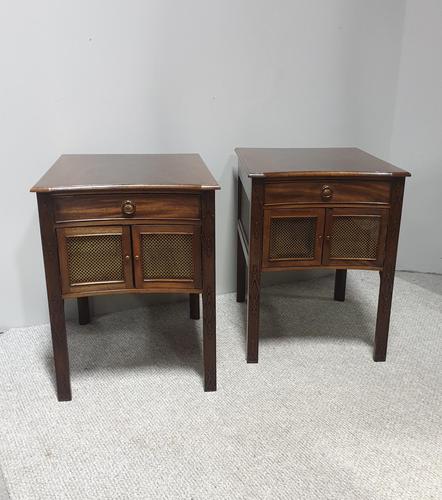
{"type": "Point", "coordinates": [417, 136]}
{"type": "Point", "coordinates": [174, 76]}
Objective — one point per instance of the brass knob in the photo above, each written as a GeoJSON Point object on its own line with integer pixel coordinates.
{"type": "Point", "coordinates": [326, 193]}
{"type": "Point", "coordinates": [128, 207]}
{"type": "Point", "coordinates": [137, 257]}
{"type": "Point", "coordinates": [327, 237]}
{"type": "Point", "coordinates": [127, 257]}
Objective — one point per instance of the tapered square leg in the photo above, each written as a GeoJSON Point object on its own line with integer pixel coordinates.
{"type": "Point", "coordinates": [383, 317]}
{"type": "Point", "coordinates": [253, 304]}
{"type": "Point", "coordinates": [84, 316]}
{"type": "Point", "coordinates": [60, 350]}
{"type": "Point", "coordinates": [209, 342]}
{"type": "Point", "coordinates": [209, 306]}
{"type": "Point", "coordinates": [240, 272]}
{"type": "Point", "coordinates": [55, 300]}
{"type": "Point", "coordinates": [254, 271]}
{"type": "Point", "coordinates": [340, 282]}
{"type": "Point", "coordinates": [388, 272]}
{"type": "Point", "coordinates": [194, 305]}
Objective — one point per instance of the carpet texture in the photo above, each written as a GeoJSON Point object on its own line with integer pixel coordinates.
{"type": "Point", "coordinates": [315, 419]}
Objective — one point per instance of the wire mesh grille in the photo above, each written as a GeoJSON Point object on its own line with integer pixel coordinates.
{"type": "Point", "coordinates": [354, 237]}
{"type": "Point", "coordinates": [292, 238]}
{"type": "Point", "coordinates": [95, 258]}
{"type": "Point", "coordinates": [167, 256]}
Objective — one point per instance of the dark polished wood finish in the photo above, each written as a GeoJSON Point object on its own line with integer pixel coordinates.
{"type": "Point", "coordinates": [111, 206]}
{"type": "Point", "coordinates": [388, 271]}
{"type": "Point", "coordinates": [55, 299]}
{"type": "Point", "coordinates": [127, 224]}
{"type": "Point", "coordinates": [75, 290]}
{"type": "Point", "coordinates": [340, 282]}
{"type": "Point", "coordinates": [372, 213]}
{"type": "Point", "coordinates": [269, 215]}
{"type": "Point", "coordinates": [84, 316]}
{"type": "Point", "coordinates": [335, 208]}
{"type": "Point", "coordinates": [327, 190]}
{"type": "Point", "coordinates": [314, 162]}
{"type": "Point", "coordinates": [194, 305]}
{"type": "Point", "coordinates": [141, 282]}
{"type": "Point", "coordinates": [209, 311]}
{"type": "Point", "coordinates": [254, 267]}
{"type": "Point", "coordinates": [110, 172]}
{"type": "Point", "coordinates": [240, 252]}
{"type": "Point", "coordinates": [240, 273]}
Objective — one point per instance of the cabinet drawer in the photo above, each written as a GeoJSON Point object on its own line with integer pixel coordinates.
{"type": "Point", "coordinates": [126, 206]}
{"type": "Point", "coordinates": [287, 193]}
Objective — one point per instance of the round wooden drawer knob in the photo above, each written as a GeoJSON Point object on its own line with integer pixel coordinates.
{"type": "Point", "coordinates": [326, 193]}
{"type": "Point", "coordinates": [128, 207]}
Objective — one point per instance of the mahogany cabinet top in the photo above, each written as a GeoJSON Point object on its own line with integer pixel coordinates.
{"type": "Point", "coordinates": [126, 172]}
{"type": "Point", "coordinates": [313, 162]}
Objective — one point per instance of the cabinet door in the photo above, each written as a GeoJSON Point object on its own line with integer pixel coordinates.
{"type": "Point", "coordinates": [355, 236]}
{"type": "Point", "coordinates": [293, 237]}
{"type": "Point", "coordinates": [94, 258]}
{"type": "Point", "coordinates": [167, 257]}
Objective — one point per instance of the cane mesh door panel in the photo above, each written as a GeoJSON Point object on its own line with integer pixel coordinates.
{"type": "Point", "coordinates": [94, 258]}
{"type": "Point", "coordinates": [167, 255]}
{"type": "Point", "coordinates": [284, 244]}
{"type": "Point", "coordinates": [292, 237]}
{"type": "Point", "coordinates": [356, 235]}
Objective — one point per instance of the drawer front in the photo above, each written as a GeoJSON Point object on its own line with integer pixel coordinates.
{"type": "Point", "coordinates": [126, 206]}
{"type": "Point", "coordinates": [287, 193]}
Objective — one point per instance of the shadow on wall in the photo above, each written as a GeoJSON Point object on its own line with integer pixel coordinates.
{"type": "Point", "coordinates": [32, 284]}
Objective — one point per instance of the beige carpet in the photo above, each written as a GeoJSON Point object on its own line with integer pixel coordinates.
{"type": "Point", "coordinates": [315, 419]}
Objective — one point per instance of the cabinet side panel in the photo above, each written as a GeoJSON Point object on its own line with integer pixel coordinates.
{"type": "Point", "coordinates": [244, 205]}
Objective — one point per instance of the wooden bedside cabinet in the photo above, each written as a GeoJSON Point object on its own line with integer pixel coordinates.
{"type": "Point", "coordinates": [333, 208]}
{"type": "Point", "coordinates": [127, 224]}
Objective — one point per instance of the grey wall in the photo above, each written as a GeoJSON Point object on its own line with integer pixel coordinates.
{"type": "Point", "coordinates": [170, 76]}
{"type": "Point", "coordinates": [417, 135]}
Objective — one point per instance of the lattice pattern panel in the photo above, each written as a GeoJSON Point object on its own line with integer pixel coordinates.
{"type": "Point", "coordinates": [167, 256]}
{"type": "Point", "coordinates": [292, 238]}
{"type": "Point", "coordinates": [95, 258]}
{"type": "Point", "coordinates": [354, 237]}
